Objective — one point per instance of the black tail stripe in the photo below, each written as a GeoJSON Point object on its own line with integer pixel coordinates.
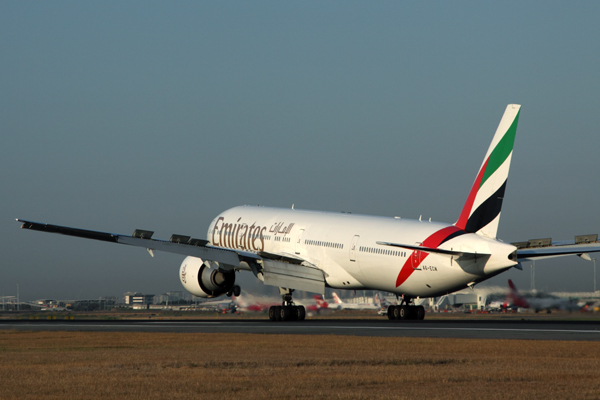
{"type": "Point", "coordinates": [452, 236]}
{"type": "Point", "coordinates": [487, 211]}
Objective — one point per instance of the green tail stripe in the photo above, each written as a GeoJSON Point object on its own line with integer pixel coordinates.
{"type": "Point", "coordinates": [501, 151]}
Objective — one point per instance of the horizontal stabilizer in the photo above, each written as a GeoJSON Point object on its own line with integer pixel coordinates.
{"type": "Point", "coordinates": [530, 254]}
{"type": "Point", "coordinates": [433, 250]}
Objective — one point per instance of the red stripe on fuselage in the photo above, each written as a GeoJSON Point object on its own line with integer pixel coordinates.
{"type": "Point", "coordinates": [432, 241]}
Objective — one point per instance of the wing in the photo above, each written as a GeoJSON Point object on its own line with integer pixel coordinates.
{"type": "Point", "coordinates": [177, 244]}
{"type": "Point", "coordinates": [558, 249]}
{"type": "Point", "coordinates": [283, 270]}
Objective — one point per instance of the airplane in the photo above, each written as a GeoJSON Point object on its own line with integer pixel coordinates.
{"type": "Point", "coordinates": [255, 305]}
{"type": "Point", "coordinates": [592, 306]}
{"type": "Point", "coordinates": [321, 304]}
{"type": "Point", "coordinates": [340, 305]}
{"type": "Point", "coordinates": [222, 306]}
{"type": "Point", "coordinates": [497, 305]}
{"type": "Point", "coordinates": [242, 304]}
{"type": "Point", "coordinates": [539, 303]}
{"type": "Point", "coordinates": [384, 304]}
{"type": "Point", "coordinates": [309, 250]}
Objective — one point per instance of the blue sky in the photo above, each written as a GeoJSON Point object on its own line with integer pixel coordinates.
{"type": "Point", "coordinates": [155, 115]}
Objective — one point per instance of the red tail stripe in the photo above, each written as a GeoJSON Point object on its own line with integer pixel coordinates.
{"type": "Point", "coordinates": [432, 241]}
{"type": "Point", "coordinates": [466, 211]}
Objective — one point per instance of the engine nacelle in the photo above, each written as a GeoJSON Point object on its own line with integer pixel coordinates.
{"type": "Point", "coordinates": [203, 278]}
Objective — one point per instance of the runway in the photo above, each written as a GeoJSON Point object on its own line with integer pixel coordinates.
{"type": "Point", "coordinates": [466, 329]}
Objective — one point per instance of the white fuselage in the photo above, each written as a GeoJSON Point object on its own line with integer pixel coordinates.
{"type": "Point", "coordinates": [345, 247]}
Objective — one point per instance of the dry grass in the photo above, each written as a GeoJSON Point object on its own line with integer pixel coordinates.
{"type": "Point", "coordinates": [91, 365]}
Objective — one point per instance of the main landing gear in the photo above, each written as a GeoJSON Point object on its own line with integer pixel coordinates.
{"type": "Point", "coordinates": [287, 311]}
{"type": "Point", "coordinates": [405, 311]}
{"type": "Point", "coordinates": [234, 291]}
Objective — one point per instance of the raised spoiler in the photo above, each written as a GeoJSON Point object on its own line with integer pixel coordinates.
{"type": "Point", "coordinates": [177, 244]}
{"type": "Point", "coordinates": [283, 270]}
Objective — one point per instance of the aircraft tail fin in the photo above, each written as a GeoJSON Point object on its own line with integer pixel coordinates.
{"type": "Point", "coordinates": [320, 301]}
{"type": "Point", "coordinates": [515, 298]}
{"type": "Point", "coordinates": [336, 298]}
{"type": "Point", "coordinates": [383, 301]}
{"type": "Point", "coordinates": [481, 212]}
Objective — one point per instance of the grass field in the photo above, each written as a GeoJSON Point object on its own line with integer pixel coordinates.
{"type": "Point", "coordinates": [92, 365]}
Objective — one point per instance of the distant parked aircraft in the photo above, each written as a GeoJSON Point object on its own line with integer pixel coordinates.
{"type": "Point", "coordinates": [340, 305]}
{"type": "Point", "coordinates": [246, 303]}
{"type": "Point", "coordinates": [540, 302]}
{"type": "Point", "coordinates": [223, 306]}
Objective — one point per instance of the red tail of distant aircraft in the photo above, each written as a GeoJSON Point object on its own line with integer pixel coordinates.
{"type": "Point", "coordinates": [541, 302]}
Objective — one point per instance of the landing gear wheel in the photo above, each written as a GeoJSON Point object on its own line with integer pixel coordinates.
{"type": "Point", "coordinates": [278, 313]}
{"type": "Point", "coordinates": [390, 312]}
{"type": "Point", "coordinates": [287, 311]}
{"type": "Point", "coordinates": [236, 291]}
{"type": "Point", "coordinates": [405, 312]}
{"type": "Point", "coordinates": [396, 312]}
{"type": "Point", "coordinates": [284, 313]}
{"type": "Point", "coordinates": [300, 313]}
{"type": "Point", "coordinates": [420, 313]}
{"type": "Point", "coordinates": [273, 313]}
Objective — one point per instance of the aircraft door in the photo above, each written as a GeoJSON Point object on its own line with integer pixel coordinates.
{"type": "Point", "coordinates": [299, 240]}
{"type": "Point", "coordinates": [353, 247]}
{"type": "Point", "coordinates": [416, 258]}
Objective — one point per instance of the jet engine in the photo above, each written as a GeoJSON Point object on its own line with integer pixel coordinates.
{"type": "Point", "coordinates": [204, 279]}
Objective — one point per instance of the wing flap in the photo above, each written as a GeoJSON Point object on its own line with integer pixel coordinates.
{"type": "Point", "coordinates": [299, 277]}
{"type": "Point", "coordinates": [285, 257]}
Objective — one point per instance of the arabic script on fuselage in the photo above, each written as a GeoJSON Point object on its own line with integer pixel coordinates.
{"type": "Point", "coordinates": [241, 235]}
